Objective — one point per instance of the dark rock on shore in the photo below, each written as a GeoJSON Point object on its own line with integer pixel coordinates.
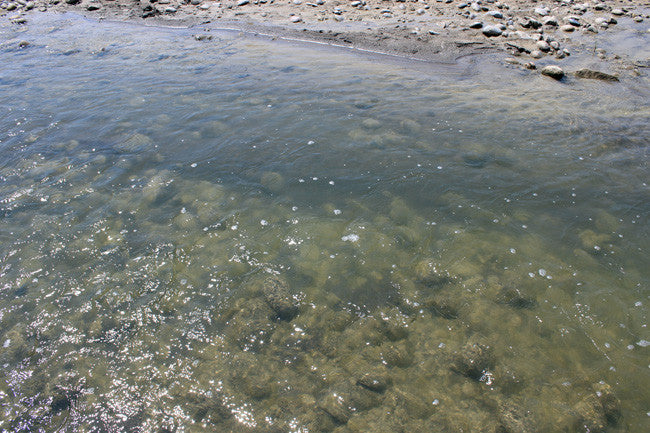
{"type": "Point", "coordinates": [595, 75]}
{"type": "Point", "coordinates": [553, 71]}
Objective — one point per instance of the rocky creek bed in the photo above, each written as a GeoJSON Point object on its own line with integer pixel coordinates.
{"type": "Point", "coordinates": [216, 236]}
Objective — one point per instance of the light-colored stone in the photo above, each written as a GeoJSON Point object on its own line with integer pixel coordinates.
{"type": "Point", "coordinates": [553, 71]}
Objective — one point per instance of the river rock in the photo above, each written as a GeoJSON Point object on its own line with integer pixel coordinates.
{"type": "Point", "coordinates": [472, 360]}
{"type": "Point", "coordinates": [276, 294]}
{"type": "Point", "coordinates": [371, 123]}
{"type": "Point", "coordinates": [595, 75]}
{"type": "Point", "coordinates": [432, 275]}
{"type": "Point", "coordinates": [542, 11]}
{"type": "Point", "coordinates": [250, 326]}
{"type": "Point", "coordinates": [491, 31]}
{"type": "Point", "coordinates": [273, 181]}
{"type": "Point", "coordinates": [443, 305]}
{"type": "Point", "coordinates": [553, 71]}
{"type": "Point", "coordinates": [415, 406]}
{"type": "Point", "coordinates": [397, 354]}
{"type": "Point", "coordinates": [543, 46]}
{"type": "Point", "coordinates": [618, 12]}
{"type": "Point", "coordinates": [567, 28]}
{"type": "Point", "coordinates": [476, 25]}
{"type": "Point", "coordinates": [376, 381]}
{"type": "Point", "coordinates": [515, 418]}
{"type": "Point", "coordinates": [550, 21]}
{"type": "Point", "coordinates": [515, 298]}
{"type": "Point", "coordinates": [336, 406]}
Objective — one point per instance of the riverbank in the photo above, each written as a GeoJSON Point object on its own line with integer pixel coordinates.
{"type": "Point", "coordinates": [607, 37]}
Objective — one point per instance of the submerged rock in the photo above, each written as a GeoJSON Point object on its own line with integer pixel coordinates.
{"type": "Point", "coordinates": [515, 418]}
{"type": "Point", "coordinates": [337, 406]}
{"type": "Point", "coordinates": [597, 411]}
{"type": "Point", "coordinates": [396, 354]}
{"type": "Point", "coordinates": [273, 181]}
{"type": "Point", "coordinates": [431, 274]}
{"type": "Point", "coordinates": [250, 326]}
{"type": "Point", "coordinates": [393, 324]}
{"type": "Point", "coordinates": [515, 298]}
{"type": "Point", "coordinates": [472, 360]}
{"type": "Point", "coordinates": [201, 408]}
{"type": "Point", "coordinates": [376, 381]}
{"type": "Point", "coordinates": [414, 406]}
{"type": "Point", "coordinates": [276, 294]}
{"type": "Point", "coordinates": [595, 75]}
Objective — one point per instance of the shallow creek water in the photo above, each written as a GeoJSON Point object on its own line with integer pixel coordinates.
{"type": "Point", "coordinates": [248, 235]}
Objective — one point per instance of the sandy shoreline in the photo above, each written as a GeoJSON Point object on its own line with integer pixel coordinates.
{"type": "Point", "coordinates": [530, 34]}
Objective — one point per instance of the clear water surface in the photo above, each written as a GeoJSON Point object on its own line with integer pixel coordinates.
{"type": "Point", "coordinates": [248, 235]}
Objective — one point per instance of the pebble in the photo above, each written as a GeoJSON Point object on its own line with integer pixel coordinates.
{"type": "Point", "coordinates": [542, 11]}
{"type": "Point", "coordinates": [295, 19]}
{"type": "Point", "coordinates": [242, 2]}
{"type": "Point", "coordinates": [420, 11]}
{"type": "Point", "coordinates": [617, 12]}
{"type": "Point", "coordinates": [543, 46]}
{"type": "Point", "coordinates": [476, 25]}
{"type": "Point", "coordinates": [550, 21]}
{"type": "Point", "coordinates": [12, 6]}
{"type": "Point", "coordinates": [29, 6]}
{"type": "Point", "coordinates": [536, 54]}
{"type": "Point", "coordinates": [573, 21]}
{"type": "Point", "coordinates": [170, 10]}
{"type": "Point", "coordinates": [495, 14]}
{"type": "Point", "coordinates": [567, 28]}
{"type": "Point", "coordinates": [93, 7]}
{"type": "Point", "coordinates": [555, 72]}
{"type": "Point", "coordinates": [492, 31]}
